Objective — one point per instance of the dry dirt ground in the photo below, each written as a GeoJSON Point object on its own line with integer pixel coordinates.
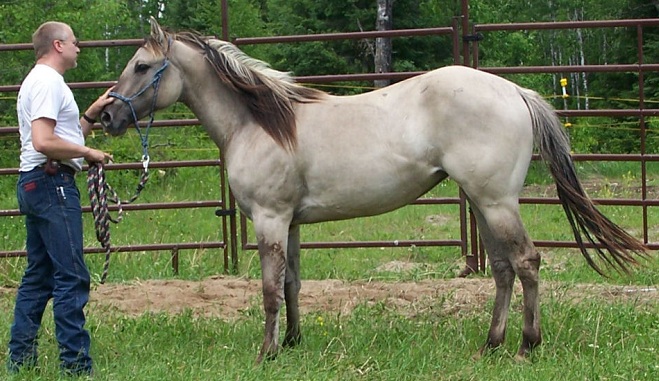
{"type": "Point", "coordinates": [229, 297]}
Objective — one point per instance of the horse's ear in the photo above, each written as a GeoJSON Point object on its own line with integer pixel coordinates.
{"type": "Point", "coordinates": [157, 34]}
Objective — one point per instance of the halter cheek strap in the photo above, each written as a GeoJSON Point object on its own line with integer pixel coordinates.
{"type": "Point", "coordinates": [155, 83]}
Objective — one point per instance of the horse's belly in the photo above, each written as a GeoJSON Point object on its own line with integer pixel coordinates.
{"type": "Point", "coordinates": [363, 196]}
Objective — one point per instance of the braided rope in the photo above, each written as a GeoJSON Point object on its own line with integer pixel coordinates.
{"type": "Point", "coordinates": [100, 192]}
{"type": "Point", "coordinates": [97, 186]}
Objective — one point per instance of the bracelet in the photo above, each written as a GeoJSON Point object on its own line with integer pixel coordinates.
{"type": "Point", "coordinates": [88, 119]}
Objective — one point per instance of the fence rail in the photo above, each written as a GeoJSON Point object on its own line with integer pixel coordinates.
{"type": "Point", "coordinates": [465, 51]}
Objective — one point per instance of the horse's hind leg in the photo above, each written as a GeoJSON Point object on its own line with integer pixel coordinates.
{"type": "Point", "coordinates": [527, 267]}
{"type": "Point", "coordinates": [292, 288]}
{"type": "Point", "coordinates": [511, 253]}
{"type": "Point", "coordinates": [504, 277]}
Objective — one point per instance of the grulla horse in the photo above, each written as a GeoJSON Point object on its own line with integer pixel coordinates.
{"type": "Point", "coordinates": [296, 155]}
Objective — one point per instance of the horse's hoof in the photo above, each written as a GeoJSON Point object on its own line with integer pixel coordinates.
{"type": "Point", "coordinates": [521, 358]}
{"type": "Point", "coordinates": [261, 358]}
{"type": "Point", "coordinates": [523, 353]}
{"type": "Point", "coordinates": [267, 355]}
{"type": "Point", "coordinates": [466, 272]}
{"type": "Point", "coordinates": [486, 349]}
{"type": "Point", "coordinates": [292, 340]}
{"type": "Point", "coordinates": [481, 352]}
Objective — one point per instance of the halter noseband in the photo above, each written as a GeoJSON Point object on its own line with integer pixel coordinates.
{"type": "Point", "coordinates": [155, 83]}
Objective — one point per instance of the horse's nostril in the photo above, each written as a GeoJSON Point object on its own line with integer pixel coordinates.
{"type": "Point", "coordinates": [106, 118]}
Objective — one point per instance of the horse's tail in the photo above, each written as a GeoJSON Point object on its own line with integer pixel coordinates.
{"type": "Point", "coordinates": [614, 246]}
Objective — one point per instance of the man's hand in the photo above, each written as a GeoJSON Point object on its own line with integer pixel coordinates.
{"type": "Point", "coordinates": [96, 156]}
{"type": "Point", "coordinates": [95, 109]}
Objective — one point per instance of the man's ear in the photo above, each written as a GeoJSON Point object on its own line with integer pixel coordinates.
{"type": "Point", "coordinates": [57, 45]}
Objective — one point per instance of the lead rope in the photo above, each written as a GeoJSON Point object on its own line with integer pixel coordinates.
{"type": "Point", "coordinates": [100, 192]}
{"type": "Point", "coordinates": [97, 186]}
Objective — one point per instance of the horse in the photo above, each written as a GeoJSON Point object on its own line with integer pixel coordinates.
{"type": "Point", "coordinates": [296, 155]}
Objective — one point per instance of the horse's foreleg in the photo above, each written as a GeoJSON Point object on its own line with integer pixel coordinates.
{"type": "Point", "coordinates": [527, 267]}
{"type": "Point", "coordinates": [272, 251]}
{"type": "Point", "coordinates": [292, 288]}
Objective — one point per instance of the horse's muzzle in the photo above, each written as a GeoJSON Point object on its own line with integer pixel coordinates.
{"type": "Point", "coordinates": [113, 126]}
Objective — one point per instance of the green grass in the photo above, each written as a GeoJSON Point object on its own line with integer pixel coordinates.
{"type": "Point", "coordinates": [593, 339]}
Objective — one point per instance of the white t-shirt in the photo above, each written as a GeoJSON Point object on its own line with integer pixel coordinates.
{"type": "Point", "coordinates": [44, 94]}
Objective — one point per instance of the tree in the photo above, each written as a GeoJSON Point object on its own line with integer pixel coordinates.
{"type": "Point", "coordinates": [620, 90]}
{"type": "Point", "coordinates": [203, 16]}
{"type": "Point", "coordinates": [383, 22]}
{"type": "Point", "coordinates": [89, 21]}
{"type": "Point", "coordinates": [288, 17]}
{"type": "Point", "coordinates": [109, 19]}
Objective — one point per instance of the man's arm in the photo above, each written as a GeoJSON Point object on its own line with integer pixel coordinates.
{"type": "Point", "coordinates": [45, 141]}
{"type": "Point", "coordinates": [94, 111]}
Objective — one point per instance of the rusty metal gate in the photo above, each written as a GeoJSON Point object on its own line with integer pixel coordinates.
{"type": "Point", "coordinates": [466, 38]}
{"type": "Point", "coordinates": [222, 208]}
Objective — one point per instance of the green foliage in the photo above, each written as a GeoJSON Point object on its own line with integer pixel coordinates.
{"type": "Point", "coordinates": [90, 20]}
{"type": "Point", "coordinates": [98, 20]}
{"type": "Point", "coordinates": [353, 56]}
{"type": "Point", "coordinates": [311, 17]}
{"type": "Point", "coordinates": [204, 16]}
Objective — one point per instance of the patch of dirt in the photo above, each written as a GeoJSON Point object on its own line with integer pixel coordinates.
{"type": "Point", "coordinates": [399, 267]}
{"type": "Point", "coordinates": [230, 298]}
{"type": "Point", "coordinates": [439, 219]}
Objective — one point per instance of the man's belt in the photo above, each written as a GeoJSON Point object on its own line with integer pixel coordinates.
{"type": "Point", "coordinates": [53, 166]}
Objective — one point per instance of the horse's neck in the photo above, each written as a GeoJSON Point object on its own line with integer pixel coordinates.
{"type": "Point", "coordinates": [217, 108]}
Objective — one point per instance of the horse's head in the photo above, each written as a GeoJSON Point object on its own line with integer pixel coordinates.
{"type": "Point", "coordinates": [148, 83]}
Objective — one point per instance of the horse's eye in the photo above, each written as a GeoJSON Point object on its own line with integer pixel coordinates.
{"type": "Point", "coordinates": [141, 68]}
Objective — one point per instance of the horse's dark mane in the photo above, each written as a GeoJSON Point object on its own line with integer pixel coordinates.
{"type": "Point", "coordinates": [269, 94]}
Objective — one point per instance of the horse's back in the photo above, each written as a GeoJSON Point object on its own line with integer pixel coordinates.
{"type": "Point", "coordinates": [374, 152]}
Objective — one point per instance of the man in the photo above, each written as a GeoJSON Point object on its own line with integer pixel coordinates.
{"type": "Point", "coordinates": [52, 151]}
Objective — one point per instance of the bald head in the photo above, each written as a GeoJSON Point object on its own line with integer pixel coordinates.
{"type": "Point", "coordinates": [48, 32]}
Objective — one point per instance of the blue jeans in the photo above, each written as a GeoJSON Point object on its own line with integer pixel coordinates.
{"type": "Point", "coordinates": [55, 269]}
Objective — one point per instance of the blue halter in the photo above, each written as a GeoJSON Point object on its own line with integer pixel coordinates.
{"type": "Point", "coordinates": [155, 83]}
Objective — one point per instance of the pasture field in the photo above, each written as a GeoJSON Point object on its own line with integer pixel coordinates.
{"type": "Point", "coordinates": [594, 328]}
{"type": "Point", "coordinates": [589, 338]}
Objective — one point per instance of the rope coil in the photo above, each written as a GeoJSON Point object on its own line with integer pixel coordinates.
{"type": "Point", "coordinates": [100, 193]}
